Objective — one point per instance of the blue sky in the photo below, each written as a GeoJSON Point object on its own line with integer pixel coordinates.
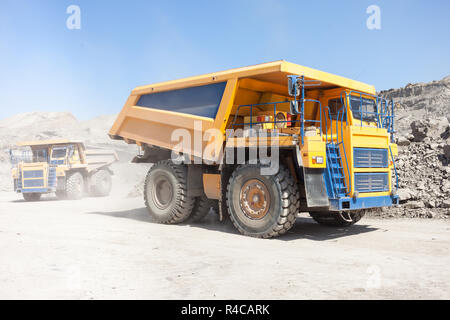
{"type": "Point", "coordinates": [122, 44]}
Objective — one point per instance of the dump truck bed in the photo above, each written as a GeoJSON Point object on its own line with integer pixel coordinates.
{"type": "Point", "coordinates": [154, 112]}
{"type": "Point", "coordinates": [98, 158]}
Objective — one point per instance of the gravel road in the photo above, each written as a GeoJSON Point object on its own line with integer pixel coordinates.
{"type": "Point", "coordinates": [108, 248]}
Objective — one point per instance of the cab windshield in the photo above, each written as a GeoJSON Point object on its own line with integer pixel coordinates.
{"type": "Point", "coordinates": [363, 109]}
{"type": "Point", "coordinates": [58, 153]}
{"type": "Point", "coordinates": [27, 155]}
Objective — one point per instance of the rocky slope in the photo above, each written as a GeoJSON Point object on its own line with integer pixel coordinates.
{"type": "Point", "coordinates": [423, 135]}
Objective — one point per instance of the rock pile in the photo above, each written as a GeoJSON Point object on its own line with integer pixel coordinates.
{"type": "Point", "coordinates": [423, 137]}
{"type": "Point", "coordinates": [424, 173]}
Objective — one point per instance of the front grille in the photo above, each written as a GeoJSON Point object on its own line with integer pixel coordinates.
{"type": "Point", "coordinates": [372, 182]}
{"type": "Point", "coordinates": [33, 174]}
{"type": "Point", "coordinates": [33, 183]}
{"type": "Point", "coordinates": [370, 158]}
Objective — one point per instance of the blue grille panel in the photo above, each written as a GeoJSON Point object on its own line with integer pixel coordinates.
{"type": "Point", "coordinates": [370, 158]}
{"type": "Point", "coordinates": [372, 182]}
{"type": "Point", "coordinates": [33, 174]}
{"type": "Point", "coordinates": [52, 177]}
{"type": "Point", "coordinates": [33, 183]}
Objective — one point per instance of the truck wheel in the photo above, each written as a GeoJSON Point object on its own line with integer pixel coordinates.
{"type": "Point", "coordinates": [262, 206]}
{"type": "Point", "coordinates": [31, 196]}
{"type": "Point", "coordinates": [101, 183]}
{"type": "Point", "coordinates": [165, 193]}
{"type": "Point", "coordinates": [338, 219]}
{"type": "Point", "coordinates": [75, 186]}
{"type": "Point", "coordinates": [202, 206]}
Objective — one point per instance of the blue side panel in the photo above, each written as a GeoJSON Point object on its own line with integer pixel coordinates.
{"type": "Point", "coordinates": [200, 101]}
{"type": "Point", "coordinates": [363, 202]}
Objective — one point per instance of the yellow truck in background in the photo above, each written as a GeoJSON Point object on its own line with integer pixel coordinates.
{"type": "Point", "coordinates": [329, 138]}
{"type": "Point", "coordinates": [63, 167]}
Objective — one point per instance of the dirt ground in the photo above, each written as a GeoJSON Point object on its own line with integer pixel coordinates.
{"type": "Point", "coordinates": [108, 248]}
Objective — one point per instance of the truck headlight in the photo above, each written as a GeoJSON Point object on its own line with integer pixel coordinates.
{"type": "Point", "coordinates": [319, 160]}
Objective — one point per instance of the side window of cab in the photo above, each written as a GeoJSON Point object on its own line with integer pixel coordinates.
{"type": "Point", "coordinates": [335, 106]}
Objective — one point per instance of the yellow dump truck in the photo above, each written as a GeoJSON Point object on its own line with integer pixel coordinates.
{"type": "Point", "coordinates": [63, 167]}
{"type": "Point", "coordinates": [263, 143]}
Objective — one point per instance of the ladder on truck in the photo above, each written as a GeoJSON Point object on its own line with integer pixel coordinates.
{"type": "Point", "coordinates": [335, 164]}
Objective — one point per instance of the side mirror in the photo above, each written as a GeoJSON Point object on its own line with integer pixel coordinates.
{"type": "Point", "coordinates": [294, 107]}
{"type": "Point", "coordinates": [293, 86]}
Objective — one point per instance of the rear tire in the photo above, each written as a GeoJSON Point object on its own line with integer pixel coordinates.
{"type": "Point", "coordinates": [74, 186]}
{"type": "Point", "coordinates": [262, 206]}
{"type": "Point", "coordinates": [202, 206]}
{"type": "Point", "coordinates": [338, 219]}
{"type": "Point", "coordinates": [31, 196]}
{"type": "Point", "coordinates": [165, 193]}
{"type": "Point", "coordinates": [101, 183]}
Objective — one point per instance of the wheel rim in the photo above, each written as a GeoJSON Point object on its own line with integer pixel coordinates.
{"type": "Point", "coordinates": [254, 199]}
{"type": "Point", "coordinates": [162, 192]}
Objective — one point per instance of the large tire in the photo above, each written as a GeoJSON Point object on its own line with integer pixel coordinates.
{"type": "Point", "coordinates": [338, 219]}
{"type": "Point", "coordinates": [101, 183]}
{"type": "Point", "coordinates": [165, 193]}
{"type": "Point", "coordinates": [74, 186]}
{"type": "Point", "coordinates": [262, 206]}
{"type": "Point", "coordinates": [31, 196]}
{"type": "Point", "coordinates": [202, 206]}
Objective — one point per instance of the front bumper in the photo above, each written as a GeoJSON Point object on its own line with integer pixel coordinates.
{"type": "Point", "coordinates": [363, 202]}
{"type": "Point", "coordinates": [36, 190]}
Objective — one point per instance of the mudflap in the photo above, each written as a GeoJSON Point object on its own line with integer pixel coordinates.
{"type": "Point", "coordinates": [315, 189]}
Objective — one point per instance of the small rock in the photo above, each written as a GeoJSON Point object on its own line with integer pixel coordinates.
{"type": "Point", "coordinates": [414, 205]}
{"type": "Point", "coordinates": [446, 186]}
{"type": "Point", "coordinates": [403, 141]}
{"type": "Point", "coordinates": [447, 151]}
{"type": "Point", "coordinates": [419, 130]}
{"type": "Point", "coordinates": [445, 203]}
{"type": "Point", "coordinates": [405, 194]}
{"type": "Point", "coordinates": [430, 203]}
